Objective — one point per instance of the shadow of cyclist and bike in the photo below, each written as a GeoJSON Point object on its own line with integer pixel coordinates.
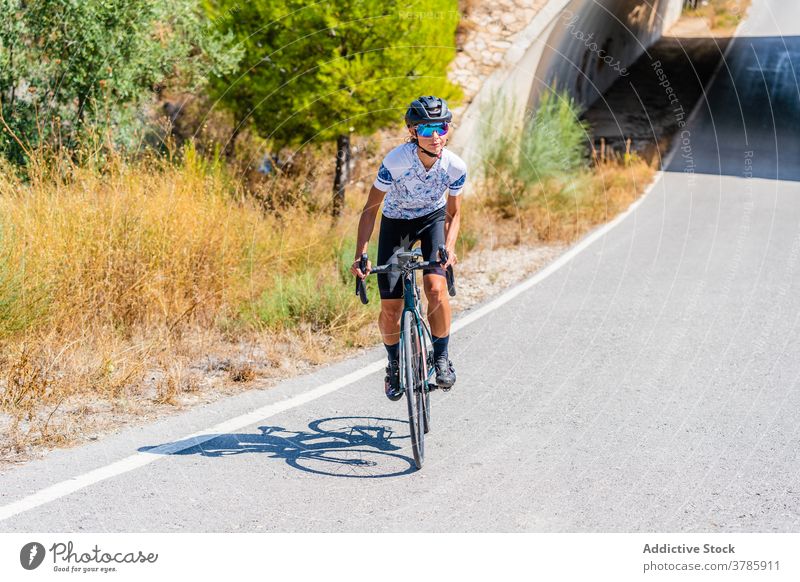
{"type": "Point", "coordinates": [350, 446]}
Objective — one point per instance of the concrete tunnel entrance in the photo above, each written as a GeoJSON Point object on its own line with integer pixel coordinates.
{"type": "Point", "coordinates": [638, 87]}
{"type": "Point", "coordinates": [612, 57]}
{"type": "Point", "coordinates": [592, 43]}
{"type": "Point", "coordinates": [579, 46]}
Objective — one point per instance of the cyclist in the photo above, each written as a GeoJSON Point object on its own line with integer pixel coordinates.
{"type": "Point", "coordinates": [415, 178]}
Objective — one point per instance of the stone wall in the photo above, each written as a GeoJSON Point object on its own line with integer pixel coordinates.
{"type": "Point", "coordinates": [487, 31]}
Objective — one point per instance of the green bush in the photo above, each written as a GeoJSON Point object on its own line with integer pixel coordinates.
{"type": "Point", "coordinates": [553, 141]}
{"type": "Point", "coordinates": [346, 254]}
{"type": "Point", "coordinates": [498, 138]}
{"type": "Point", "coordinates": [78, 70]}
{"type": "Point", "coordinates": [518, 161]}
{"type": "Point", "coordinates": [313, 298]}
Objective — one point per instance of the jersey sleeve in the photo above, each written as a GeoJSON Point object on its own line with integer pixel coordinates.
{"type": "Point", "coordinates": [458, 176]}
{"type": "Point", "coordinates": [384, 180]}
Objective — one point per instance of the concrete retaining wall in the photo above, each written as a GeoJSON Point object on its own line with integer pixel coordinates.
{"type": "Point", "coordinates": [582, 46]}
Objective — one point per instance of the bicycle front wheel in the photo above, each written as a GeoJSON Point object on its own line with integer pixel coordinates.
{"type": "Point", "coordinates": [426, 363]}
{"type": "Point", "coordinates": [412, 374]}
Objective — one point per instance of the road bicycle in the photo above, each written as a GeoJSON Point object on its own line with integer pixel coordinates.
{"type": "Point", "coordinates": [416, 347]}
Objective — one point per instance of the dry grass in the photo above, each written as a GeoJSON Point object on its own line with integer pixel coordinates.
{"type": "Point", "coordinates": [108, 276]}
{"type": "Point", "coordinates": [722, 15]}
{"type": "Point", "coordinates": [150, 286]}
{"type": "Point", "coordinates": [563, 208]}
{"type": "Point", "coordinates": [537, 177]}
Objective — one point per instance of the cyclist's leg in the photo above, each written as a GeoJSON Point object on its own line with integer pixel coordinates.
{"type": "Point", "coordinates": [394, 235]}
{"type": "Point", "coordinates": [389, 320]}
{"type": "Point", "coordinates": [431, 235]}
{"type": "Point", "coordinates": [438, 300]}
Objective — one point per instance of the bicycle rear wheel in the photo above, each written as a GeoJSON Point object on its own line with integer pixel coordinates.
{"type": "Point", "coordinates": [412, 374]}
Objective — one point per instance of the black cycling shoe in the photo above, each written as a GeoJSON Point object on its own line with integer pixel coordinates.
{"type": "Point", "coordinates": [392, 381]}
{"type": "Point", "coordinates": [445, 373]}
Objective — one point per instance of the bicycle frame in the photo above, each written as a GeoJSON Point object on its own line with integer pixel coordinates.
{"type": "Point", "coordinates": [410, 303]}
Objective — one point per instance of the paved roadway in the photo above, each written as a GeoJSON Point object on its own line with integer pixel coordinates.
{"type": "Point", "coordinates": [650, 384]}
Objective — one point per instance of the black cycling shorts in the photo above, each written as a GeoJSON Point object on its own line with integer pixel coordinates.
{"type": "Point", "coordinates": [399, 235]}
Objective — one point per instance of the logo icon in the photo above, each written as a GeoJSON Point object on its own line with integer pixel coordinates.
{"type": "Point", "coordinates": [31, 555]}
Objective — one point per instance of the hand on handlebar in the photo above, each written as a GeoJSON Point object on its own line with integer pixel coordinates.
{"type": "Point", "coordinates": [452, 259]}
{"type": "Point", "coordinates": [360, 269]}
{"type": "Point", "coordinates": [356, 270]}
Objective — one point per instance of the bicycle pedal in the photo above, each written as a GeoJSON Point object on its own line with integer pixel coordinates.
{"type": "Point", "coordinates": [442, 388]}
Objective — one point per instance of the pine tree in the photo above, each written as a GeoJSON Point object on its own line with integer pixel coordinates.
{"type": "Point", "coordinates": [319, 71]}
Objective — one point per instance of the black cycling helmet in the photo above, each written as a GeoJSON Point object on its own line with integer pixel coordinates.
{"type": "Point", "coordinates": [428, 109]}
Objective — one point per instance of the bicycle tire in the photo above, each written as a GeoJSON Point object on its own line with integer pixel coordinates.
{"type": "Point", "coordinates": [411, 375]}
{"type": "Point", "coordinates": [422, 393]}
{"type": "Point", "coordinates": [425, 363]}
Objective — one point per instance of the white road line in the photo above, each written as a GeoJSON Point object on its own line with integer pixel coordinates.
{"type": "Point", "coordinates": [141, 459]}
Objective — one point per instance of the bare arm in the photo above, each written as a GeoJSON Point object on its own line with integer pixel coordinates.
{"type": "Point", "coordinates": [451, 225]}
{"type": "Point", "coordinates": [366, 224]}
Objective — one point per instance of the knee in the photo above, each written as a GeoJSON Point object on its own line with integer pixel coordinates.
{"type": "Point", "coordinates": [436, 290]}
{"type": "Point", "coordinates": [390, 312]}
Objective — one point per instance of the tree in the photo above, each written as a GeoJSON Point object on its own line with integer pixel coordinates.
{"type": "Point", "coordinates": [69, 65]}
{"type": "Point", "coordinates": [318, 71]}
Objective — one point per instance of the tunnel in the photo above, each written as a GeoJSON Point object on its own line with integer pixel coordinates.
{"type": "Point", "coordinates": [592, 44]}
{"type": "Point", "coordinates": [579, 46]}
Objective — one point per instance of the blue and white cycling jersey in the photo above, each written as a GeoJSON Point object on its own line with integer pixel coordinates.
{"type": "Point", "coordinates": [411, 190]}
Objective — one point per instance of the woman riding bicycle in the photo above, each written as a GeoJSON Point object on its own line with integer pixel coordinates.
{"type": "Point", "coordinates": [415, 178]}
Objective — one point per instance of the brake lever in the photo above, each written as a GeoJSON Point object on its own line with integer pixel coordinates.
{"type": "Point", "coordinates": [451, 283]}
{"type": "Point", "coordinates": [361, 288]}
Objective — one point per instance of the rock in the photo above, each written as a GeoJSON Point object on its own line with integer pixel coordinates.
{"type": "Point", "coordinates": [474, 85]}
{"type": "Point", "coordinates": [473, 58]}
{"type": "Point", "coordinates": [500, 44]}
{"type": "Point", "coordinates": [461, 60]}
{"type": "Point", "coordinates": [508, 19]}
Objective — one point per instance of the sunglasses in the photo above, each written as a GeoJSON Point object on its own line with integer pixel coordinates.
{"type": "Point", "coordinates": [427, 129]}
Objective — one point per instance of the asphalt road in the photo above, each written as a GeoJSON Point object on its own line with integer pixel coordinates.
{"type": "Point", "coordinates": [649, 384]}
